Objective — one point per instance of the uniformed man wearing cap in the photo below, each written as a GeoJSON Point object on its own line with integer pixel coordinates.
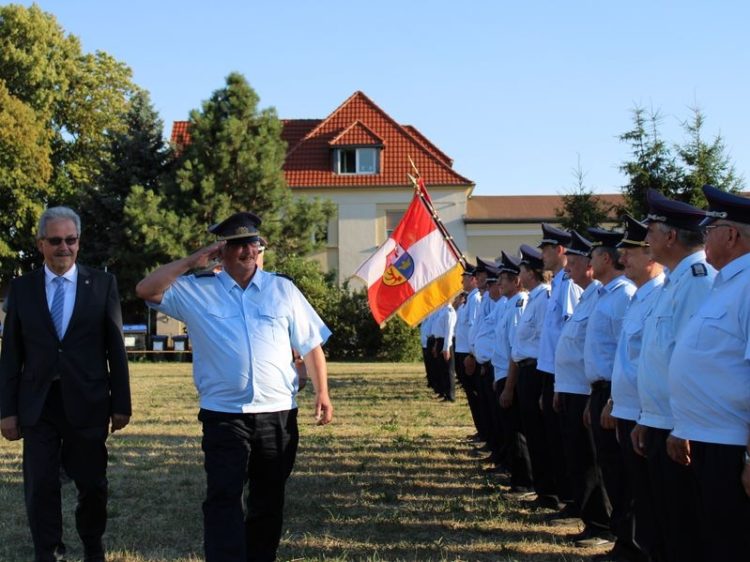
{"type": "Point", "coordinates": [572, 391]}
{"type": "Point", "coordinates": [516, 459]}
{"type": "Point", "coordinates": [484, 346]}
{"type": "Point", "coordinates": [709, 380]}
{"type": "Point", "coordinates": [676, 241]}
{"type": "Point", "coordinates": [466, 316]}
{"type": "Point", "coordinates": [243, 323]}
{"type": "Point", "coordinates": [602, 334]}
{"type": "Point", "coordinates": [648, 276]}
{"type": "Point", "coordinates": [525, 378]}
{"type": "Point", "coordinates": [564, 296]}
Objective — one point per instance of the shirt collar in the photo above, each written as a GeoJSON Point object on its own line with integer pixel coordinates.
{"type": "Point", "coordinates": [226, 280]}
{"type": "Point", "coordinates": [70, 275]}
{"type": "Point", "coordinates": [686, 263]}
{"type": "Point", "coordinates": [648, 287]}
{"type": "Point", "coordinates": [538, 289]}
{"type": "Point", "coordinates": [592, 288]}
{"type": "Point", "coordinates": [615, 283]}
{"type": "Point", "coordinates": [733, 268]}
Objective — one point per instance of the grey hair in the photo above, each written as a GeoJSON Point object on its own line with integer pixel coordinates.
{"type": "Point", "coordinates": [742, 228]}
{"type": "Point", "coordinates": [690, 239]}
{"type": "Point", "coordinates": [55, 214]}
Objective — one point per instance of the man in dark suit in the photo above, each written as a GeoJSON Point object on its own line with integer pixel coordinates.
{"type": "Point", "coordinates": [63, 381]}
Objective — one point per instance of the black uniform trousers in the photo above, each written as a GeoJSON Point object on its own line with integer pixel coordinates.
{"type": "Point", "coordinates": [553, 433]}
{"type": "Point", "coordinates": [530, 383]}
{"type": "Point", "coordinates": [517, 458]}
{"type": "Point", "coordinates": [445, 384]}
{"type": "Point", "coordinates": [675, 497]}
{"type": "Point", "coordinates": [723, 505]}
{"type": "Point", "coordinates": [52, 441]}
{"type": "Point", "coordinates": [646, 534]}
{"type": "Point", "coordinates": [490, 411]}
{"type": "Point", "coordinates": [248, 458]}
{"type": "Point", "coordinates": [589, 497]}
{"type": "Point", "coordinates": [610, 459]}
{"type": "Point", "coordinates": [467, 384]}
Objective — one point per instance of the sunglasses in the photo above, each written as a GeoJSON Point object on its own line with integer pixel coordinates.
{"type": "Point", "coordinates": [57, 240]}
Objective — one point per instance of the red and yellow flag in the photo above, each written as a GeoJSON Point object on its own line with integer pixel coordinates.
{"type": "Point", "coordinates": [415, 271]}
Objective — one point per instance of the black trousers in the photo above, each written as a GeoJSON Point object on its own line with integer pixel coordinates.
{"type": "Point", "coordinates": [645, 533]}
{"type": "Point", "coordinates": [610, 459]}
{"type": "Point", "coordinates": [516, 452]}
{"type": "Point", "coordinates": [490, 411]}
{"type": "Point", "coordinates": [723, 505]}
{"type": "Point", "coordinates": [530, 383]}
{"type": "Point", "coordinates": [553, 433]}
{"type": "Point", "coordinates": [445, 384]}
{"type": "Point", "coordinates": [589, 497]}
{"type": "Point", "coordinates": [675, 497]}
{"type": "Point", "coordinates": [52, 441]}
{"type": "Point", "coordinates": [248, 458]}
{"type": "Point", "coordinates": [467, 384]}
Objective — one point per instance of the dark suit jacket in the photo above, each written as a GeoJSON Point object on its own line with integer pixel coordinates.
{"type": "Point", "coordinates": [90, 359]}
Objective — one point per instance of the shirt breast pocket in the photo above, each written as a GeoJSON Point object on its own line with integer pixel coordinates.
{"type": "Point", "coordinates": [664, 330]}
{"type": "Point", "coordinates": [716, 324]}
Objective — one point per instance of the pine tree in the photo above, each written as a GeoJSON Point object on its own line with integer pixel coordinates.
{"type": "Point", "coordinates": [581, 207]}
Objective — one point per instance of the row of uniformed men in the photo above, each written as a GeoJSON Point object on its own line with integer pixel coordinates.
{"type": "Point", "coordinates": [621, 391]}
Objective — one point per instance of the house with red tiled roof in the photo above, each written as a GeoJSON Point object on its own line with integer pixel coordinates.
{"type": "Point", "coordinates": [359, 158]}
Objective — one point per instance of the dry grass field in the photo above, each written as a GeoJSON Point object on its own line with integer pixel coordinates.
{"type": "Point", "coordinates": [391, 479]}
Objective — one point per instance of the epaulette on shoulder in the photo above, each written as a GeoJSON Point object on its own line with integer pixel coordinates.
{"type": "Point", "coordinates": [699, 270]}
{"type": "Point", "coordinates": [519, 303]}
{"type": "Point", "coordinates": [207, 273]}
{"type": "Point", "coordinates": [566, 276]}
{"type": "Point", "coordinates": [284, 276]}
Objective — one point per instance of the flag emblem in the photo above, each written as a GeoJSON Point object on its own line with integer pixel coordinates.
{"type": "Point", "coordinates": [399, 267]}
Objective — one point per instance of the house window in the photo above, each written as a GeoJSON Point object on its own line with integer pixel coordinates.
{"type": "Point", "coordinates": [392, 218]}
{"type": "Point", "coordinates": [356, 161]}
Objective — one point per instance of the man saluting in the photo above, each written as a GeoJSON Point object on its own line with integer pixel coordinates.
{"type": "Point", "coordinates": [244, 323]}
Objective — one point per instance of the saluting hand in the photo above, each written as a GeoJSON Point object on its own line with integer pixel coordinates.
{"type": "Point", "coordinates": [203, 257]}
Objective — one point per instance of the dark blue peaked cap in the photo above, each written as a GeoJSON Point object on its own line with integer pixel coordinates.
{"type": "Point", "coordinates": [493, 273]}
{"type": "Point", "coordinates": [723, 205]}
{"type": "Point", "coordinates": [579, 246]}
{"type": "Point", "coordinates": [553, 235]}
{"type": "Point", "coordinates": [468, 269]}
{"type": "Point", "coordinates": [531, 257]}
{"type": "Point", "coordinates": [483, 265]}
{"type": "Point", "coordinates": [602, 237]}
{"type": "Point", "coordinates": [510, 264]}
{"type": "Point", "coordinates": [635, 234]}
{"type": "Point", "coordinates": [239, 225]}
{"type": "Point", "coordinates": [673, 213]}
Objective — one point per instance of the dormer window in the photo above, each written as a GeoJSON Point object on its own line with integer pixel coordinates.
{"type": "Point", "coordinates": [356, 160]}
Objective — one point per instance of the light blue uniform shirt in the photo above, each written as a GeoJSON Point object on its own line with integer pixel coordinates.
{"type": "Point", "coordinates": [684, 291]}
{"type": "Point", "coordinates": [709, 375]}
{"type": "Point", "coordinates": [242, 340]}
{"type": "Point", "coordinates": [444, 324]}
{"type": "Point", "coordinates": [603, 331]}
{"type": "Point", "coordinates": [485, 307]}
{"type": "Point", "coordinates": [570, 373]}
{"type": "Point", "coordinates": [625, 373]}
{"type": "Point", "coordinates": [425, 328]}
{"type": "Point", "coordinates": [505, 328]}
{"type": "Point", "coordinates": [529, 331]}
{"type": "Point", "coordinates": [484, 343]}
{"type": "Point", "coordinates": [563, 300]}
{"type": "Point", "coordinates": [465, 319]}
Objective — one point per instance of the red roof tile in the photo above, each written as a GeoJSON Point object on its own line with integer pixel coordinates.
{"type": "Point", "coordinates": [357, 134]}
{"type": "Point", "coordinates": [357, 121]}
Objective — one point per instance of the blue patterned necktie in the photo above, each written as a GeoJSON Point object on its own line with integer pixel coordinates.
{"type": "Point", "coordinates": [58, 303]}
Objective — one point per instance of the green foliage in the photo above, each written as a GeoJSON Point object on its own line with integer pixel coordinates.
{"type": "Point", "coordinates": [678, 171]}
{"type": "Point", "coordinates": [581, 208]}
{"type": "Point", "coordinates": [64, 104]}
{"type": "Point", "coordinates": [25, 169]}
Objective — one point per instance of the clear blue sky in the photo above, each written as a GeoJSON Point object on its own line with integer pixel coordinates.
{"type": "Point", "coordinates": [514, 92]}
